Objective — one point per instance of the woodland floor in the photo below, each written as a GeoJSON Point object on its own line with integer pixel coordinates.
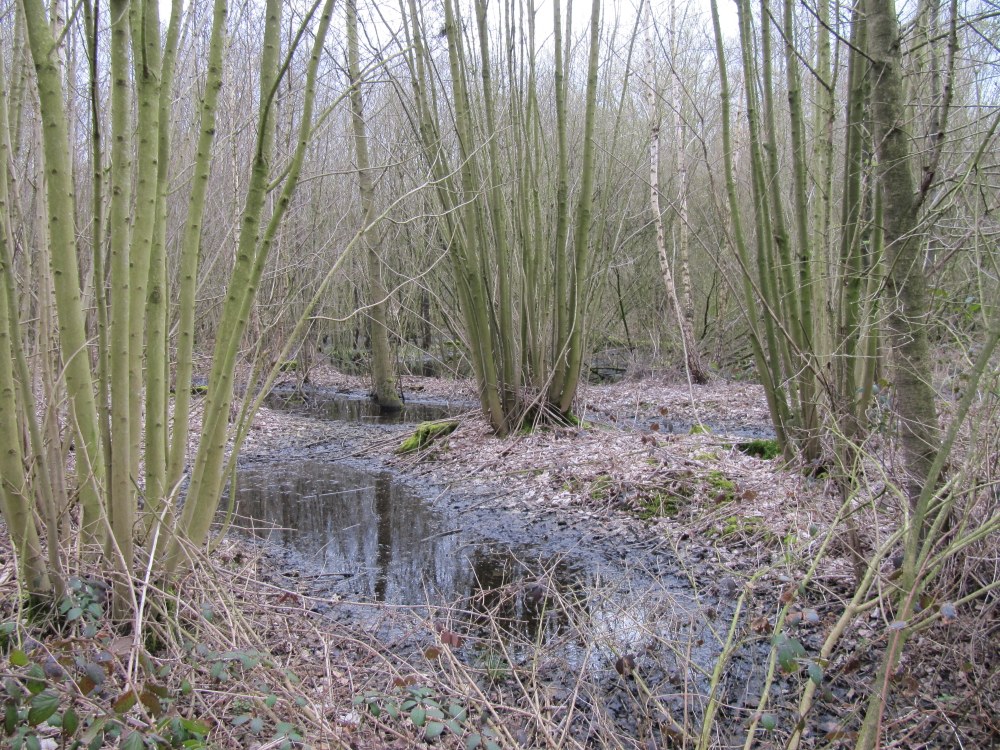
{"type": "Point", "coordinates": [634, 480]}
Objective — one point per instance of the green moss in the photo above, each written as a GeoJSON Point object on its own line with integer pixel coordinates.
{"type": "Point", "coordinates": [721, 487]}
{"type": "Point", "coordinates": [745, 526]}
{"type": "Point", "coordinates": [765, 449]}
{"type": "Point", "coordinates": [720, 481]}
{"type": "Point", "coordinates": [699, 429]}
{"type": "Point", "coordinates": [289, 365]}
{"type": "Point", "coordinates": [706, 456]}
{"type": "Point", "coordinates": [658, 505]}
{"type": "Point", "coordinates": [426, 433]}
{"type": "Point", "coordinates": [600, 488]}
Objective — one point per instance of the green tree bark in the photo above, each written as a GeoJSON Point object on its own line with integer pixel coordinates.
{"type": "Point", "coordinates": [207, 478]}
{"type": "Point", "coordinates": [387, 390]}
{"type": "Point", "coordinates": [906, 285]}
{"type": "Point", "coordinates": [121, 497]}
{"type": "Point", "coordinates": [191, 249]}
{"type": "Point", "coordinates": [65, 271]}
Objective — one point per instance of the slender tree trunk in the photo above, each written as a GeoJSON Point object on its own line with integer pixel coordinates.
{"type": "Point", "coordinates": [692, 359]}
{"type": "Point", "coordinates": [156, 304]}
{"type": "Point", "coordinates": [386, 387]}
{"type": "Point", "coordinates": [772, 392]}
{"type": "Point", "coordinates": [16, 505]}
{"type": "Point", "coordinates": [191, 249]}
{"type": "Point", "coordinates": [62, 238]}
{"type": "Point", "coordinates": [582, 230]}
{"type": "Point", "coordinates": [683, 182]}
{"type": "Point", "coordinates": [121, 504]}
{"type": "Point", "coordinates": [208, 476]}
{"type": "Point", "coordinates": [907, 307]}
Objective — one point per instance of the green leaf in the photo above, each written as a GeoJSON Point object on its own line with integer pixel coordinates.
{"type": "Point", "coordinates": [433, 730]}
{"type": "Point", "coordinates": [124, 702]}
{"type": "Point", "coordinates": [18, 658]}
{"type": "Point", "coordinates": [219, 671]}
{"type": "Point", "coordinates": [815, 672]}
{"type": "Point", "coordinates": [43, 706]}
{"type": "Point", "coordinates": [31, 742]}
{"type": "Point", "coordinates": [270, 700]}
{"type": "Point", "coordinates": [196, 727]}
{"type": "Point", "coordinates": [768, 722]}
{"type": "Point", "coordinates": [95, 672]}
{"type": "Point", "coordinates": [36, 681]}
{"type": "Point", "coordinates": [133, 741]}
{"type": "Point", "coordinates": [789, 652]}
{"type": "Point", "coordinates": [10, 717]}
{"type": "Point", "coordinates": [70, 722]}
{"type": "Point", "coordinates": [241, 720]}
{"type": "Point", "coordinates": [74, 613]}
{"type": "Point", "coordinates": [256, 725]}
{"type": "Point", "coordinates": [418, 716]}
{"type": "Point", "coordinates": [457, 712]}
{"type": "Point", "coordinates": [473, 741]}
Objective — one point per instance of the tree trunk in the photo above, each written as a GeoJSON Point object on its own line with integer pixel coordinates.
{"type": "Point", "coordinates": [906, 285]}
{"type": "Point", "coordinates": [387, 391]}
{"type": "Point", "coordinates": [692, 360]}
{"type": "Point", "coordinates": [62, 238]}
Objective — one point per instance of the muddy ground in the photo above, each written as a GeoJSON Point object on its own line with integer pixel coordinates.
{"type": "Point", "coordinates": [671, 525]}
{"type": "Point", "coordinates": [631, 506]}
{"type": "Point", "coordinates": [601, 572]}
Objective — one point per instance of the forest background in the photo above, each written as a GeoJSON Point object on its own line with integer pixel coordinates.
{"type": "Point", "coordinates": [467, 189]}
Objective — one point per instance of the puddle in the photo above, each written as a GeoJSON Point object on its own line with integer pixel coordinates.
{"type": "Point", "coordinates": [353, 537]}
{"type": "Point", "coordinates": [347, 408]}
{"type": "Point", "coordinates": [342, 533]}
{"type": "Point", "coordinates": [353, 533]}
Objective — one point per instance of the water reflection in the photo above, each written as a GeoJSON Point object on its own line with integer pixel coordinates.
{"type": "Point", "coordinates": [345, 532]}
{"type": "Point", "coordinates": [353, 532]}
{"type": "Point", "coordinates": [356, 534]}
{"type": "Point", "coordinates": [354, 409]}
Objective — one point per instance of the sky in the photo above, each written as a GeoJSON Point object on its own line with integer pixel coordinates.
{"type": "Point", "coordinates": [626, 10]}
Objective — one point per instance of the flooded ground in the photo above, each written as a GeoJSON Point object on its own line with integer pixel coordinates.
{"type": "Point", "coordinates": [361, 534]}
{"type": "Point", "coordinates": [353, 536]}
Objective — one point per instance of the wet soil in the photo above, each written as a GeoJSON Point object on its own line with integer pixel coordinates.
{"type": "Point", "coordinates": [350, 532]}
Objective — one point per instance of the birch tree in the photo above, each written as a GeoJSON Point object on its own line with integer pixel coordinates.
{"type": "Point", "coordinates": [692, 359]}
